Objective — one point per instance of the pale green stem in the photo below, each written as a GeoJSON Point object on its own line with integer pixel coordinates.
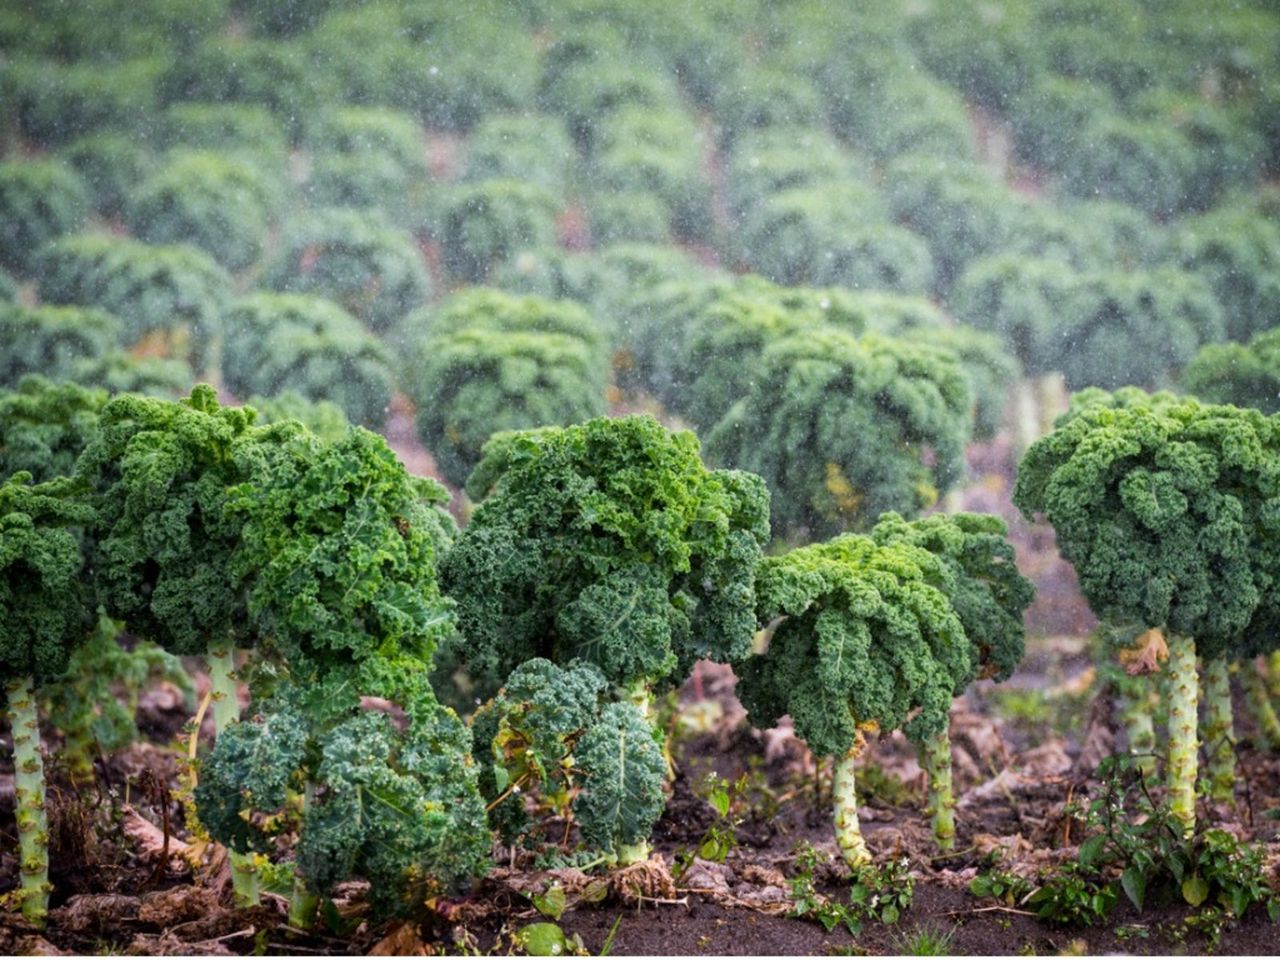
{"type": "Point", "coordinates": [1183, 690]}
{"type": "Point", "coordinates": [1136, 712]}
{"type": "Point", "coordinates": [845, 802]}
{"type": "Point", "coordinates": [638, 693]}
{"type": "Point", "coordinates": [302, 902]}
{"type": "Point", "coordinates": [935, 757]}
{"type": "Point", "coordinates": [222, 677]}
{"type": "Point", "coordinates": [1026, 422]}
{"type": "Point", "coordinates": [33, 826]}
{"type": "Point", "coordinates": [1273, 674]}
{"type": "Point", "coordinates": [226, 711]}
{"type": "Point", "coordinates": [1264, 711]}
{"type": "Point", "coordinates": [1051, 392]}
{"type": "Point", "coordinates": [629, 853]}
{"type": "Point", "coordinates": [1219, 730]}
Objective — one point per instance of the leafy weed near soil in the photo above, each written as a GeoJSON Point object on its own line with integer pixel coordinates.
{"type": "Point", "coordinates": [1136, 850]}
{"type": "Point", "coordinates": [879, 893]}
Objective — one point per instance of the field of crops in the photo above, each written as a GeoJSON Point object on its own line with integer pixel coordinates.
{"type": "Point", "coordinates": [606, 476]}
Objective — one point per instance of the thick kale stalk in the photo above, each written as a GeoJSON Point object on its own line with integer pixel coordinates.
{"type": "Point", "coordinates": [935, 757]}
{"type": "Point", "coordinates": [1219, 730]}
{"type": "Point", "coordinates": [33, 825]}
{"type": "Point", "coordinates": [1264, 711]}
{"type": "Point", "coordinates": [1136, 709]}
{"type": "Point", "coordinates": [844, 798]}
{"type": "Point", "coordinates": [1183, 693]}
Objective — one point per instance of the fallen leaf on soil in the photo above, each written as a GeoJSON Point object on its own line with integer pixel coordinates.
{"type": "Point", "coordinates": [35, 946]}
{"type": "Point", "coordinates": [647, 880]}
{"type": "Point", "coordinates": [95, 911]}
{"type": "Point", "coordinates": [762, 875]}
{"type": "Point", "coordinates": [168, 908]}
{"type": "Point", "coordinates": [1146, 654]}
{"type": "Point", "coordinates": [401, 941]}
{"type": "Point", "coordinates": [705, 876]}
{"type": "Point", "coordinates": [150, 838]}
{"type": "Point", "coordinates": [1011, 847]}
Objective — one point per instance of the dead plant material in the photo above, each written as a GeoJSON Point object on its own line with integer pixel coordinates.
{"type": "Point", "coordinates": [647, 880]}
{"type": "Point", "coordinates": [177, 905]}
{"type": "Point", "coordinates": [152, 842]}
{"type": "Point", "coordinates": [94, 913]}
{"type": "Point", "coordinates": [1145, 656]}
{"type": "Point", "coordinates": [401, 940]}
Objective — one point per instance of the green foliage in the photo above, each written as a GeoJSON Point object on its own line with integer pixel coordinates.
{"type": "Point", "coordinates": [805, 235]}
{"type": "Point", "coordinates": [8, 288]}
{"type": "Point", "coordinates": [45, 426]}
{"type": "Point", "coordinates": [119, 372]}
{"type": "Point", "coordinates": [371, 132]}
{"type": "Point", "coordinates": [867, 636]}
{"type": "Point", "coordinates": [52, 341]}
{"type": "Point", "coordinates": [986, 590]}
{"type": "Point", "coordinates": [94, 705]}
{"type": "Point", "coordinates": [837, 428]}
{"type": "Point", "coordinates": [42, 593]}
{"type": "Point", "coordinates": [1135, 850]}
{"type": "Point", "coordinates": [484, 223]}
{"type": "Point", "coordinates": [247, 131]}
{"type": "Point", "coordinates": [53, 103]}
{"type": "Point", "coordinates": [770, 161]}
{"type": "Point", "coordinates": [1050, 116]}
{"type": "Point", "coordinates": [393, 802]}
{"type": "Point", "coordinates": [628, 216]}
{"type": "Point", "coordinates": [962, 212]}
{"type": "Point", "coordinates": [764, 97]}
{"type": "Point", "coordinates": [887, 105]}
{"type": "Point", "coordinates": [477, 383]}
{"type": "Point", "coordinates": [610, 542]}
{"type": "Point", "coordinates": [161, 471]}
{"type": "Point", "coordinates": [1106, 328]}
{"type": "Point", "coordinates": [251, 70]}
{"type": "Point", "coordinates": [176, 294]}
{"type": "Point", "coordinates": [624, 772]}
{"type": "Point", "coordinates": [209, 201]}
{"type": "Point", "coordinates": [338, 547]}
{"type": "Point", "coordinates": [39, 201]}
{"type": "Point", "coordinates": [531, 147]}
{"type": "Point", "coordinates": [551, 734]}
{"type": "Point", "coordinates": [877, 893]}
{"type": "Point", "coordinates": [1244, 375]}
{"type": "Point", "coordinates": [1145, 164]}
{"type": "Point", "coordinates": [277, 342]}
{"type": "Point", "coordinates": [1163, 510]}
{"type": "Point", "coordinates": [354, 258]}
{"type": "Point", "coordinates": [326, 420]}
{"type": "Point", "coordinates": [111, 165]}
{"type": "Point", "coordinates": [1238, 253]}
{"type": "Point", "coordinates": [367, 157]}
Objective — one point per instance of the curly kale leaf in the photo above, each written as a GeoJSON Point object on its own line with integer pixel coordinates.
{"type": "Point", "coordinates": [838, 428]}
{"type": "Point", "coordinates": [865, 634]}
{"type": "Point", "coordinates": [44, 427]}
{"type": "Point", "coordinates": [44, 608]}
{"type": "Point", "coordinates": [611, 542]}
{"type": "Point", "coordinates": [624, 770]}
{"type": "Point", "coordinates": [525, 735]}
{"type": "Point", "coordinates": [1167, 511]}
{"type": "Point", "coordinates": [253, 769]}
{"type": "Point", "coordinates": [339, 547]}
{"type": "Point", "coordinates": [399, 810]}
{"type": "Point", "coordinates": [988, 593]}
{"type": "Point", "coordinates": [161, 471]}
